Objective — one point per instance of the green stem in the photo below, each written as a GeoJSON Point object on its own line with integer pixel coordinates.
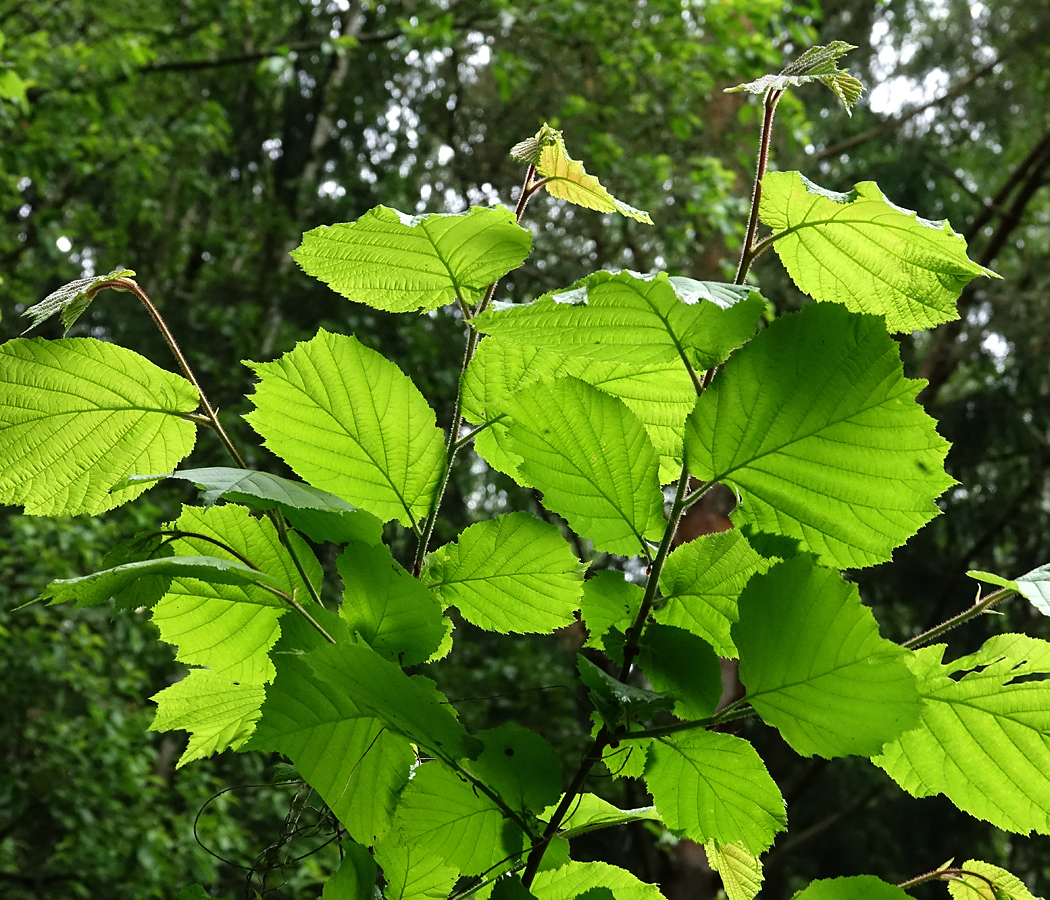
{"type": "Point", "coordinates": [733, 712]}
{"type": "Point", "coordinates": [211, 418]}
{"type": "Point", "coordinates": [746, 256]}
{"type": "Point", "coordinates": [299, 608]}
{"type": "Point", "coordinates": [946, 874]}
{"type": "Point", "coordinates": [631, 646]}
{"type": "Point", "coordinates": [979, 607]}
{"type": "Point", "coordinates": [453, 443]}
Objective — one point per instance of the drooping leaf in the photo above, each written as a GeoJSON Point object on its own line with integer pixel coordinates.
{"type": "Point", "coordinates": [626, 317]}
{"type": "Point", "coordinates": [355, 879]}
{"type": "Point", "coordinates": [1004, 885]}
{"type": "Point", "coordinates": [351, 422]}
{"type": "Point", "coordinates": [401, 263]}
{"type": "Point", "coordinates": [853, 887]}
{"type": "Point", "coordinates": [521, 766]}
{"type": "Point", "coordinates": [680, 664]}
{"type": "Point", "coordinates": [412, 707]}
{"type": "Point", "coordinates": [984, 738]}
{"type": "Point", "coordinates": [72, 299]}
{"type": "Point", "coordinates": [154, 577]}
{"type": "Point", "coordinates": [816, 64]}
{"type": "Point", "coordinates": [513, 573]}
{"type": "Point", "coordinates": [860, 250]}
{"type": "Point", "coordinates": [357, 765]}
{"type": "Point", "coordinates": [815, 666]}
{"type": "Point", "coordinates": [615, 701]}
{"type": "Point", "coordinates": [218, 713]}
{"type": "Point", "coordinates": [413, 874]}
{"type": "Point", "coordinates": [446, 817]}
{"type": "Point", "coordinates": [591, 813]}
{"type": "Point", "coordinates": [609, 601]}
{"type": "Point", "coordinates": [318, 514]}
{"type": "Point", "coordinates": [700, 583]}
{"type": "Point", "coordinates": [565, 177]}
{"type": "Point", "coordinates": [711, 786]}
{"type": "Point", "coordinates": [577, 878]}
{"type": "Point", "coordinates": [740, 870]}
{"type": "Point", "coordinates": [77, 416]}
{"type": "Point", "coordinates": [593, 461]}
{"type": "Point", "coordinates": [230, 629]}
{"type": "Point", "coordinates": [839, 455]}
{"type": "Point", "coordinates": [392, 611]}
{"type": "Point", "coordinates": [1034, 586]}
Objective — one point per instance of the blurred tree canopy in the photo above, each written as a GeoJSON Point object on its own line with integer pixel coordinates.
{"type": "Point", "coordinates": [195, 141]}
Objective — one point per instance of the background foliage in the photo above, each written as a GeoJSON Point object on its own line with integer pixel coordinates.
{"type": "Point", "coordinates": [195, 142]}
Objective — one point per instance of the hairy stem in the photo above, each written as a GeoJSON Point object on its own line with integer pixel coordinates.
{"type": "Point", "coordinates": [982, 605]}
{"type": "Point", "coordinates": [746, 255]}
{"type": "Point", "coordinates": [946, 874]}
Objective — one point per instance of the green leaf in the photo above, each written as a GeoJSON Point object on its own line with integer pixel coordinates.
{"type": "Point", "coordinates": [509, 887]}
{"type": "Point", "coordinates": [513, 573]}
{"type": "Point", "coordinates": [446, 817]}
{"type": "Point", "coordinates": [630, 318]}
{"type": "Point", "coordinates": [77, 416]}
{"type": "Point", "coordinates": [854, 887]}
{"type": "Point", "coordinates": [816, 64]}
{"type": "Point", "coordinates": [143, 583]}
{"type": "Point", "coordinates": [1034, 586]}
{"type": "Point", "coordinates": [609, 601]}
{"type": "Point", "coordinates": [626, 759]}
{"type": "Point", "coordinates": [591, 813]}
{"type": "Point", "coordinates": [1004, 885]}
{"type": "Point", "coordinates": [615, 701]}
{"type": "Point", "coordinates": [591, 458]}
{"type": "Point", "coordinates": [520, 766]}
{"type": "Point", "coordinates": [413, 874]}
{"type": "Point", "coordinates": [355, 879]}
{"type": "Point", "coordinates": [740, 870]}
{"type": "Point", "coordinates": [319, 515]}
{"type": "Point", "coordinates": [12, 87]}
{"type": "Point", "coordinates": [838, 455]}
{"type": "Point", "coordinates": [684, 666]}
{"type": "Point", "coordinates": [700, 583]}
{"type": "Point", "coordinates": [351, 422]}
{"type": "Point", "coordinates": [392, 611]}
{"type": "Point", "coordinates": [576, 878]}
{"type": "Point", "coordinates": [714, 786]}
{"type": "Point", "coordinates": [566, 179]}
{"type": "Point", "coordinates": [984, 738]}
{"type": "Point", "coordinates": [349, 757]}
{"type": "Point", "coordinates": [815, 667]}
{"type": "Point", "coordinates": [72, 299]}
{"type": "Point", "coordinates": [860, 250]}
{"type": "Point", "coordinates": [401, 263]}
{"type": "Point", "coordinates": [227, 628]}
{"type": "Point", "coordinates": [412, 707]}
{"type": "Point", "coordinates": [217, 712]}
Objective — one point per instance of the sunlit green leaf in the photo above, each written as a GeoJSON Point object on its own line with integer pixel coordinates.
{"type": "Point", "coordinates": [413, 874]}
{"type": "Point", "coordinates": [609, 601]}
{"type": "Point", "coordinates": [217, 712]}
{"type": "Point", "coordinates": [392, 611]}
{"type": "Point", "coordinates": [741, 871]}
{"type": "Point", "coordinates": [838, 455]}
{"type": "Point", "coordinates": [815, 666]}
{"type": "Point", "coordinates": [971, 886]}
{"type": "Point", "coordinates": [350, 422]}
{"type": "Point", "coordinates": [591, 458]}
{"type": "Point", "coordinates": [984, 737]}
{"type": "Point", "coordinates": [77, 416]}
{"type": "Point", "coordinates": [576, 878]}
{"type": "Point", "coordinates": [854, 887]}
{"type": "Point", "coordinates": [680, 664]}
{"type": "Point", "coordinates": [566, 179]}
{"type": "Point", "coordinates": [447, 817]}
{"type": "Point", "coordinates": [350, 758]}
{"type": "Point", "coordinates": [860, 250]}
{"type": "Point", "coordinates": [700, 583]}
{"type": "Point", "coordinates": [708, 786]}
{"type": "Point", "coordinates": [1034, 586]}
{"type": "Point", "coordinates": [355, 879]}
{"type": "Point", "coordinates": [513, 573]}
{"type": "Point", "coordinates": [615, 701]}
{"type": "Point", "coordinates": [401, 263]}
{"type": "Point", "coordinates": [590, 813]}
{"type": "Point", "coordinates": [520, 765]}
